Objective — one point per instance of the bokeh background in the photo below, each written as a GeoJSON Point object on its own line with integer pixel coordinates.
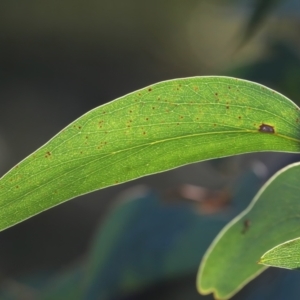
{"type": "Point", "coordinates": [143, 239]}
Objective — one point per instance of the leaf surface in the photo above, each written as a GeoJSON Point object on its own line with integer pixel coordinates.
{"type": "Point", "coordinates": [160, 127]}
{"type": "Point", "coordinates": [285, 255]}
{"type": "Point", "coordinates": [272, 218]}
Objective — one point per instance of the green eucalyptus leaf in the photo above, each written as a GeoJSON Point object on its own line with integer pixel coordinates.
{"type": "Point", "coordinates": [157, 128]}
{"type": "Point", "coordinates": [285, 255]}
{"type": "Point", "coordinates": [271, 218]}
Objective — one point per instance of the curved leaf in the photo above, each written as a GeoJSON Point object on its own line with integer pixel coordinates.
{"type": "Point", "coordinates": [286, 255]}
{"type": "Point", "coordinates": [272, 218]}
{"type": "Point", "coordinates": [157, 128]}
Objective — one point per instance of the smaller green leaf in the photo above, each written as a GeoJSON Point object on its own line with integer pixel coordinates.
{"type": "Point", "coordinates": [271, 218]}
{"type": "Point", "coordinates": [286, 255]}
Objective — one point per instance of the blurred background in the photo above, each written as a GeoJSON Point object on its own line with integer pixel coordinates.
{"type": "Point", "coordinates": [143, 239]}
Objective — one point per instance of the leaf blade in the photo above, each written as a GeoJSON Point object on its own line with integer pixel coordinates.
{"type": "Point", "coordinates": [274, 205]}
{"type": "Point", "coordinates": [157, 128]}
{"type": "Point", "coordinates": [285, 255]}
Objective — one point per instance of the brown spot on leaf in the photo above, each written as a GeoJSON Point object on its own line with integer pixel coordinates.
{"type": "Point", "coordinates": [47, 154]}
{"type": "Point", "coordinates": [266, 128]}
{"type": "Point", "coordinates": [150, 89]}
{"type": "Point", "coordinates": [246, 226]}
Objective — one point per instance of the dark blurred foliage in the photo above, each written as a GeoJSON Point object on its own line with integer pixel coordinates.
{"type": "Point", "coordinates": [58, 59]}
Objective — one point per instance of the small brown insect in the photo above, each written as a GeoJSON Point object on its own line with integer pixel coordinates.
{"type": "Point", "coordinates": [246, 227]}
{"type": "Point", "coordinates": [266, 128]}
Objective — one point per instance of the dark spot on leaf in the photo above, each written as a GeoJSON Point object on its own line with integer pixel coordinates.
{"type": "Point", "coordinates": [79, 127]}
{"type": "Point", "coordinates": [266, 128]}
{"type": "Point", "coordinates": [229, 87]}
{"type": "Point", "coordinates": [240, 117]}
{"type": "Point", "coordinates": [17, 187]}
{"type": "Point", "coordinates": [196, 88]}
{"type": "Point", "coordinates": [47, 154]}
{"type": "Point", "coordinates": [147, 119]}
{"type": "Point", "coordinates": [215, 124]}
{"type": "Point", "coordinates": [144, 133]}
{"type": "Point", "coordinates": [216, 94]}
{"type": "Point", "coordinates": [130, 111]}
{"type": "Point", "coordinates": [153, 107]}
{"type": "Point", "coordinates": [227, 107]}
{"type": "Point", "coordinates": [149, 90]}
{"type": "Point", "coordinates": [246, 226]}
